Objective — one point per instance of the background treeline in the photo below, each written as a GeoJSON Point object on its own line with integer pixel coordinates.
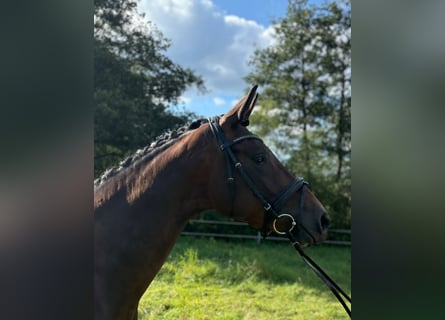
{"type": "Point", "coordinates": [304, 110]}
{"type": "Point", "coordinates": [135, 82]}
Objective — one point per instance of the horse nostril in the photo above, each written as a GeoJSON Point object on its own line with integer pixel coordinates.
{"type": "Point", "coordinates": [324, 221]}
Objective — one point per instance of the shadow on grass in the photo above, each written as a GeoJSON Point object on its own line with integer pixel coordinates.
{"type": "Point", "coordinates": [235, 262]}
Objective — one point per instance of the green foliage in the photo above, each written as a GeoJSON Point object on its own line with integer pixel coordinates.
{"type": "Point", "coordinates": [135, 82]}
{"type": "Point", "coordinates": [305, 105]}
{"type": "Point", "coordinates": [217, 279]}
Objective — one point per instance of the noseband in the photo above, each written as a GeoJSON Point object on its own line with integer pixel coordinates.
{"type": "Point", "coordinates": [271, 209]}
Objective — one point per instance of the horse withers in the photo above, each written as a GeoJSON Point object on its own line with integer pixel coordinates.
{"type": "Point", "coordinates": [142, 206]}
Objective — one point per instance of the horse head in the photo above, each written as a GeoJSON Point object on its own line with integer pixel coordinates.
{"type": "Point", "coordinates": [250, 184]}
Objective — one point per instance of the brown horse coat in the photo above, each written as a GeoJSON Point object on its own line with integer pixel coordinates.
{"type": "Point", "coordinates": [142, 206]}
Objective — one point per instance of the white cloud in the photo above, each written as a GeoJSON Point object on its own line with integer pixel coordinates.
{"type": "Point", "coordinates": [219, 101]}
{"type": "Point", "coordinates": [215, 45]}
{"type": "Point", "coordinates": [185, 100]}
{"type": "Point", "coordinates": [238, 21]}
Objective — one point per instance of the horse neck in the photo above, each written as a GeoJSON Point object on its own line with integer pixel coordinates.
{"type": "Point", "coordinates": [172, 183]}
{"type": "Point", "coordinates": [144, 213]}
{"type": "Point", "coordinates": [178, 183]}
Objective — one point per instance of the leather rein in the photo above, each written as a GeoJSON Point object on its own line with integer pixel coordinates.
{"type": "Point", "coordinates": [272, 209]}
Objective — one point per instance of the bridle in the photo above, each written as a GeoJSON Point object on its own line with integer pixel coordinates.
{"type": "Point", "coordinates": [272, 208]}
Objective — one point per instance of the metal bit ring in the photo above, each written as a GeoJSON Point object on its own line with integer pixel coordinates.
{"type": "Point", "coordinates": [280, 216]}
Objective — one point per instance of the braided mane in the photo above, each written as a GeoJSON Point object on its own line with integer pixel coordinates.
{"type": "Point", "coordinates": [161, 143]}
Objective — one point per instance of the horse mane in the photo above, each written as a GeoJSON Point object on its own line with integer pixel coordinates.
{"type": "Point", "coordinates": [161, 143]}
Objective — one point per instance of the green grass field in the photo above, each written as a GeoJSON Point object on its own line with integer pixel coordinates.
{"type": "Point", "coordinates": [216, 279]}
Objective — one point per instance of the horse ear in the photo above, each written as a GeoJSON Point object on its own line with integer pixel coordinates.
{"type": "Point", "coordinates": [240, 113]}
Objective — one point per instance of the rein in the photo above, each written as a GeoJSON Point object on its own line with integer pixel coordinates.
{"type": "Point", "coordinates": [272, 209]}
{"type": "Point", "coordinates": [335, 288]}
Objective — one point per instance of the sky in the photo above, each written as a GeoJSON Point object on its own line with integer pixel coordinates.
{"type": "Point", "coordinates": [216, 39]}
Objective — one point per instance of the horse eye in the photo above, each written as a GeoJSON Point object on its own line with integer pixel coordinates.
{"type": "Point", "coordinates": [259, 159]}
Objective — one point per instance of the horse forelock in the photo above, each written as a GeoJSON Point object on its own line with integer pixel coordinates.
{"type": "Point", "coordinates": [161, 143]}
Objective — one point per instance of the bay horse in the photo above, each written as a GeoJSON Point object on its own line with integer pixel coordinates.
{"type": "Point", "coordinates": [142, 205]}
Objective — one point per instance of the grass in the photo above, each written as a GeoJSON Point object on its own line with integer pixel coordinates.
{"type": "Point", "coordinates": [215, 279]}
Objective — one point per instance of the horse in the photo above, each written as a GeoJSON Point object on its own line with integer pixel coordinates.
{"type": "Point", "coordinates": [142, 205]}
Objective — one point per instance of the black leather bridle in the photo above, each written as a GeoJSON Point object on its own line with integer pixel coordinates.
{"type": "Point", "coordinates": [272, 209]}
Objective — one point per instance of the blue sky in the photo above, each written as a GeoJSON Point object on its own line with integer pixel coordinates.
{"type": "Point", "coordinates": [261, 11]}
{"type": "Point", "coordinates": [215, 38]}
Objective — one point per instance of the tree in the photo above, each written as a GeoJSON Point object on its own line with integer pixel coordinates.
{"type": "Point", "coordinates": [291, 91]}
{"type": "Point", "coordinates": [135, 82]}
{"type": "Point", "coordinates": [334, 30]}
{"type": "Point", "coordinates": [306, 102]}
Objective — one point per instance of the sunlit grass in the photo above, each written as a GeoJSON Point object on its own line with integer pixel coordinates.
{"type": "Point", "coordinates": [216, 279]}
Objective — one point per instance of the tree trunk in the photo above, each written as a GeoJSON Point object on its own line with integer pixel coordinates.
{"type": "Point", "coordinates": [340, 128]}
